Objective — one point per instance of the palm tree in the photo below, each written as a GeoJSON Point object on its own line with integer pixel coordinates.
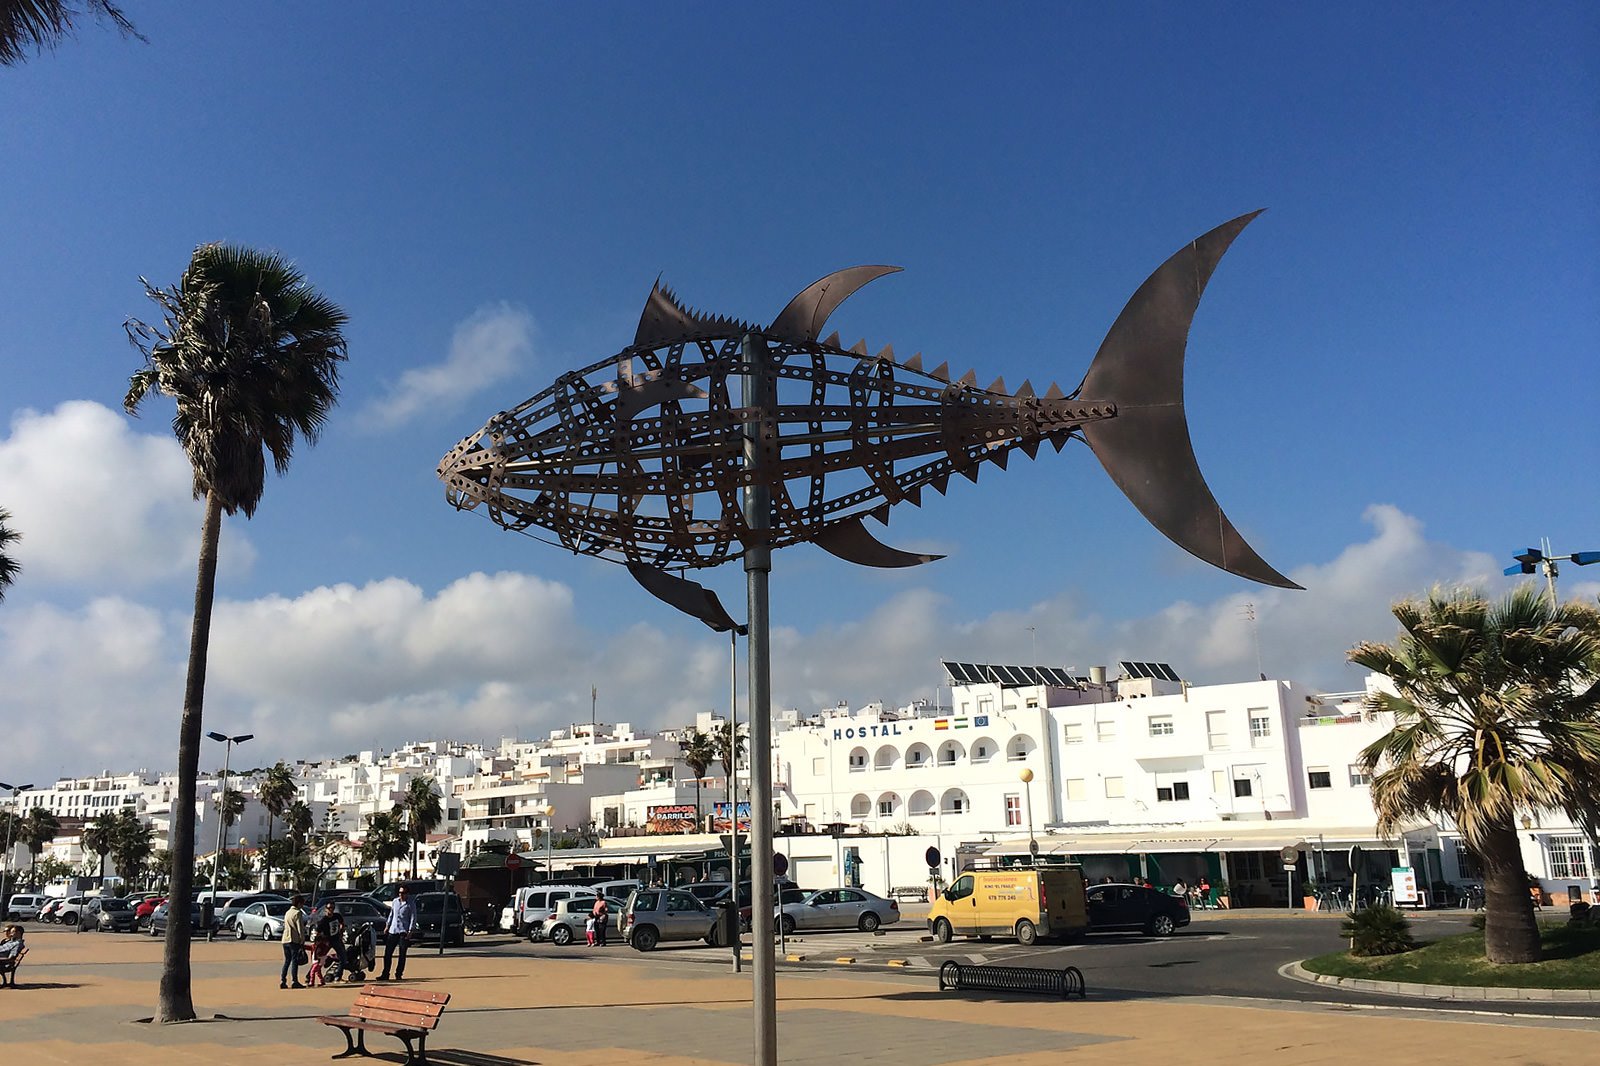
{"type": "Point", "coordinates": [35, 25]}
{"type": "Point", "coordinates": [386, 839]}
{"type": "Point", "coordinates": [250, 353]}
{"type": "Point", "coordinates": [9, 567]}
{"type": "Point", "coordinates": [698, 751]}
{"type": "Point", "coordinates": [297, 821]}
{"type": "Point", "coordinates": [423, 813]}
{"type": "Point", "coordinates": [1497, 712]}
{"type": "Point", "coordinates": [97, 838]}
{"type": "Point", "coordinates": [728, 746]}
{"type": "Point", "coordinates": [131, 844]}
{"type": "Point", "coordinates": [37, 829]}
{"type": "Point", "coordinates": [276, 791]}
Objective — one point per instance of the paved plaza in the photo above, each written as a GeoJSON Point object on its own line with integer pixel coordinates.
{"type": "Point", "coordinates": [81, 998]}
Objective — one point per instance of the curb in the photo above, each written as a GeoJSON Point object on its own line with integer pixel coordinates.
{"type": "Point", "coordinates": [1295, 972]}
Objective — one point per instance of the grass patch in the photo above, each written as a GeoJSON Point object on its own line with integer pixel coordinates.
{"type": "Point", "coordinates": [1571, 960]}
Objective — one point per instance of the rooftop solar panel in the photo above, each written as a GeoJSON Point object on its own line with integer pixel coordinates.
{"type": "Point", "coordinates": [1007, 676]}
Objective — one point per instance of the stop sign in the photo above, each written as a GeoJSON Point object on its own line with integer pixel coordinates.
{"type": "Point", "coordinates": [513, 861]}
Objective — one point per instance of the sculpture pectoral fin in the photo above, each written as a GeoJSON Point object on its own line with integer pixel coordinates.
{"type": "Point", "coordinates": [850, 541]}
{"type": "Point", "coordinates": [694, 600]}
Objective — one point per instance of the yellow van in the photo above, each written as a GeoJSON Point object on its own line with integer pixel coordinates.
{"type": "Point", "coordinates": [1024, 902]}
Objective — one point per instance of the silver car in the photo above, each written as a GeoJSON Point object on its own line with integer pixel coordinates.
{"type": "Point", "coordinates": [571, 917]}
{"type": "Point", "coordinates": [839, 908]}
{"type": "Point", "coordinates": [264, 920]}
{"type": "Point", "coordinates": [654, 915]}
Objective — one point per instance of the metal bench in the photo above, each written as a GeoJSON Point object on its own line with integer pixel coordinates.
{"type": "Point", "coordinates": [1061, 983]}
{"type": "Point", "coordinates": [404, 1013]}
{"type": "Point", "coordinates": [911, 893]}
{"type": "Point", "coordinates": [8, 968]}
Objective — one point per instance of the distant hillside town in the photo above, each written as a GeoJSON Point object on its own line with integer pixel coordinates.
{"type": "Point", "coordinates": [1255, 786]}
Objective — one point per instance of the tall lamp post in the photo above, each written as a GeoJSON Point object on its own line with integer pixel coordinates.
{"type": "Point", "coordinates": [5, 890]}
{"type": "Point", "coordinates": [1540, 558]}
{"type": "Point", "coordinates": [549, 838]}
{"type": "Point", "coordinates": [227, 743]}
{"type": "Point", "coordinates": [1027, 799]}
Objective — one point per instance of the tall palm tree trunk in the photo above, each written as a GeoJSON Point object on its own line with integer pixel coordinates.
{"type": "Point", "coordinates": [266, 858]}
{"type": "Point", "coordinates": [176, 1002]}
{"type": "Point", "coordinates": [1510, 933]}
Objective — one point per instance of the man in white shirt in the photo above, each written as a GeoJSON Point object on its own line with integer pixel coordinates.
{"type": "Point", "coordinates": [397, 933]}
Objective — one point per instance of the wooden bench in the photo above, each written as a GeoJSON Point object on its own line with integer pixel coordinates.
{"type": "Point", "coordinates": [409, 1014]}
{"type": "Point", "coordinates": [8, 968]}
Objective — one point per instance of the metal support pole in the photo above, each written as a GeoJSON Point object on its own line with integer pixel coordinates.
{"type": "Point", "coordinates": [222, 828]}
{"type": "Point", "coordinates": [737, 937]}
{"type": "Point", "coordinates": [759, 433]}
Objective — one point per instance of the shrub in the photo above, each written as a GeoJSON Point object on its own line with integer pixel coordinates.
{"type": "Point", "coordinates": [1378, 931]}
{"type": "Point", "coordinates": [1479, 920]}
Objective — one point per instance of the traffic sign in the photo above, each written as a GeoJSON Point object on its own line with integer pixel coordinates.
{"type": "Point", "coordinates": [1290, 855]}
{"type": "Point", "coordinates": [513, 861]}
{"type": "Point", "coordinates": [780, 863]}
{"type": "Point", "coordinates": [933, 858]}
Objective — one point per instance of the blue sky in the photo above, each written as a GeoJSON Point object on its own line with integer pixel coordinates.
{"type": "Point", "coordinates": [1391, 379]}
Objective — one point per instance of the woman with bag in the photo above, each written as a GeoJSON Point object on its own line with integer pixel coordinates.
{"type": "Point", "coordinates": [294, 942]}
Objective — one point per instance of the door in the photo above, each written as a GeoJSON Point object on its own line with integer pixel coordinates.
{"type": "Point", "coordinates": [818, 913]}
{"type": "Point", "coordinates": [846, 914]}
{"type": "Point", "coordinates": [963, 905]}
{"type": "Point", "coordinates": [684, 918]}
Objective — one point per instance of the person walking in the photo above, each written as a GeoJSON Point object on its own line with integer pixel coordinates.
{"type": "Point", "coordinates": [293, 941]}
{"type": "Point", "coordinates": [397, 933]}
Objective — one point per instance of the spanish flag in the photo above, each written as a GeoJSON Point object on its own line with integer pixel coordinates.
{"type": "Point", "coordinates": [941, 723]}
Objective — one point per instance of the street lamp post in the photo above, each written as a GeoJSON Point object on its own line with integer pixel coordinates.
{"type": "Point", "coordinates": [1531, 558]}
{"type": "Point", "coordinates": [5, 890]}
{"type": "Point", "coordinates": [549, 838]}
{"type": "Point", "coordinates": [1027, 799]}
{"type": "Point", "coordinates": [227, 743]}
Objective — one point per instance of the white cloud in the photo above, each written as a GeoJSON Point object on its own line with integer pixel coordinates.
{"type": "Point", "coordinates": [99, 503]}
{"type": "Point", "coordinates": [346, 668]}
{"type": "Point", "coordinates": [488, 347]}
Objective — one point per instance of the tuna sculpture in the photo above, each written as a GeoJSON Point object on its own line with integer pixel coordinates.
{"type": "Point", "coordinates": [640, 457]}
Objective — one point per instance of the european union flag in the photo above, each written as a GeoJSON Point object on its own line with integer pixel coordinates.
{"type": "Point", "coordinates": [980, 720]}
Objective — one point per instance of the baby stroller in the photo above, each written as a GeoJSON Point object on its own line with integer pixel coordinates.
{"type": "Point", "coordinates": [360, 954]}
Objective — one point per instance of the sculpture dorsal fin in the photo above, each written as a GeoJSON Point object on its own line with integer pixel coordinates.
{"type": "Point", "coordinates": [802, 320]}
{"type": "Point", "coordinates": [665, 321]}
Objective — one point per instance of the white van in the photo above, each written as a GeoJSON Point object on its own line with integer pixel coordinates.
{"type": "Point", "coordinates": [532, 905]}
{"type": "Point", "coordinates": [24, 907]}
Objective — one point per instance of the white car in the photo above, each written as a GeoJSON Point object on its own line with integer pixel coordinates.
{"type": "Point", "coordinates": [264, 920]}
{"type": "Point", "coordinates": [531, 906]}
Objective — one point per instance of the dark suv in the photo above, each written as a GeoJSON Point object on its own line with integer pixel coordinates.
{"type": "Point", "coordinates": [434, 909]}
{"type": "Point", "coordinates": [1135, 907]}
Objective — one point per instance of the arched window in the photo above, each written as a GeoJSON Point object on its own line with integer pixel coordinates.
{"type": "Point", "coordinates": [1020, 748]}
{"type": "Point", "coordinates": [918, 755]}
{"type": "Point", "coordinates": [984, 749]}
{"type": "Point", "coordinates": [858, 760]}
{"type": "Point", "coordinates": [950, 752]}
{"type": "Point", "coordinates": [889, 805]}
{"type": "Point", "coordinates": [954, 801]}
{"type": "Point", "coordinates": [921, 802]}
{"type": "Point", "coordinates": [887, 757]}
{"type": "Point", "coordinates": [860, 806]}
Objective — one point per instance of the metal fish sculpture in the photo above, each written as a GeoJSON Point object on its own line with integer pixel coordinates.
{"type": "Point", "coordinates": [640, 457]}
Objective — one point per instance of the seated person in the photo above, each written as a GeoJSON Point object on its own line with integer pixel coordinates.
{"type": "Point", "coordinates": [11, 945]}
